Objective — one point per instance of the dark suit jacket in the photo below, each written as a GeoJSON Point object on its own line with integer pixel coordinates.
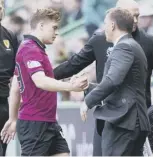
{"type": "Point", "coordinates": [123, 87]}
{"type": "Point", "coordinates": [95, 49]}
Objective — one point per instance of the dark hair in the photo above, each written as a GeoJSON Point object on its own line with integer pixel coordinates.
{"type": "Point", "coordinates": [17, 20]}
{"type": "Point", "coordinates": [123, 19]}
{"type": "Point", "coordinates": [44, 14]}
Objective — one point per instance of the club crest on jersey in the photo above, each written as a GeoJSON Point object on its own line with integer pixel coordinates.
{"type": "Point", "coordinates": [6, 43]}
{"type": "Point", "coordinates": [33, 64]}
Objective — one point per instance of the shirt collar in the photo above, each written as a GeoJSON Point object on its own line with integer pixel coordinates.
{"type": "Point", "coordinates": [117, 40]}
{"type": "Point", "coordinates": [36, 40]}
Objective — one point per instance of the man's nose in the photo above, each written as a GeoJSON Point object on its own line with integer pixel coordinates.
{"type": "Point", "coordinates": [57, 32]}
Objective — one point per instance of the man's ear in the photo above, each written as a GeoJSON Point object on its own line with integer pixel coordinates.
{"type": "Point", "coordinates": [113, 26]}
{"type": "Point", "coordinates": [41, 25]}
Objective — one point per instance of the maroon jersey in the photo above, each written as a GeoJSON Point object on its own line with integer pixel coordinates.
{"type": "Point", "coordinates": [37, 105]}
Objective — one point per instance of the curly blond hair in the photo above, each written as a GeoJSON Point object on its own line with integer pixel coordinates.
{"type": "Point", "coordinates": [44, 14]}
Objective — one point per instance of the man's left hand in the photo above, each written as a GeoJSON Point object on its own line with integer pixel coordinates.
{"type": "Point", "coordinates": [83, 111]}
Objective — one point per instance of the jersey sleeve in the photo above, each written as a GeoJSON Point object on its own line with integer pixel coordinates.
{"type": "Point", "coordinates": [33, 60]}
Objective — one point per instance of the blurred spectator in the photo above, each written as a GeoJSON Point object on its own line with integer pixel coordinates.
{"type": "Point", "coordinates": [146, 18]}
{"type": "Point", "coordinates": [35, 4]}
{"type": "Point", "coordinates": [24, 12]}
{"type": "Point", "coordinates": [60, 50]}
{"type": "Point", "coordinates": [57, 4]}
{"type": "Point", "coordinates": [17, 25]}
{"type": "Point", "coordinates": [71, 11]}
{"type": "Point", "coordinates": [61, 55]}
{"type": "Point", "coordinates": [94, 13]}
{"type": "Point", "coordinates": [75, 45]}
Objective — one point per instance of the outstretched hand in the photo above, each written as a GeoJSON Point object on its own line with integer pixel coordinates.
{"type": "Point", "coordinates": [8, 131]}
{"type": "Point", "coordinates": [79, 82]}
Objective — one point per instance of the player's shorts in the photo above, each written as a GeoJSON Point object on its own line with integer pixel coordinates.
{"type": "Point", "coordinates": [41, 138]}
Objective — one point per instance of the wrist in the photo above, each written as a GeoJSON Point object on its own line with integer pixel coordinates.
{"type": "Point", "coordinates": [68, 87]}
{"type": "Point", "coordinates": [12, 119]}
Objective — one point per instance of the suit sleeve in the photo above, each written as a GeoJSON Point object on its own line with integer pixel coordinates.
{"type": "Point", "coordinates": [90, 88]}
{"type": "Point", "coordinates": [121, 60]}
{"type": "Point", "coordinates": [77, 62]}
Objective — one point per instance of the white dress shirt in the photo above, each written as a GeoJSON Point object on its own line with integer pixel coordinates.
{"type": "Point", "coordinates": [117, 40]}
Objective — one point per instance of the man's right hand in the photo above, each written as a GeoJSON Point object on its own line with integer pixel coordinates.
{"type": "Point", "coordinates": [8, 131]}
{"type": "Point", "coordinates": [79, 83]}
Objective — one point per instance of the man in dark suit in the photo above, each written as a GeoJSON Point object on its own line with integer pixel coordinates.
{"type": "Point", "coordinates": [122, 89]}
{"type": "Point", "coordinates": [96, 49]}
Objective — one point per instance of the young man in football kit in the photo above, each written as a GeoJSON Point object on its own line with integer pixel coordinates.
{"type": "Point", "coordinates": [37, 128]}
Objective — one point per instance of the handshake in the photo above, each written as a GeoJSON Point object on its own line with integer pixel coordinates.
{"type": "Point", "coordinates": [79, 82]}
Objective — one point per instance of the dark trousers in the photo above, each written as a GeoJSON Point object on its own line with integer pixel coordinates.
{"type": "Point", "coordinates": [99, 125]}
{"type": "Point", "coordinates": [4, 115]}
{"type": "Point", "coordinates": [150, 136]}
{"type": "Point", "coordinates": [102, 135]}
{"type": "Point", "coordinates": [117, 141]}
